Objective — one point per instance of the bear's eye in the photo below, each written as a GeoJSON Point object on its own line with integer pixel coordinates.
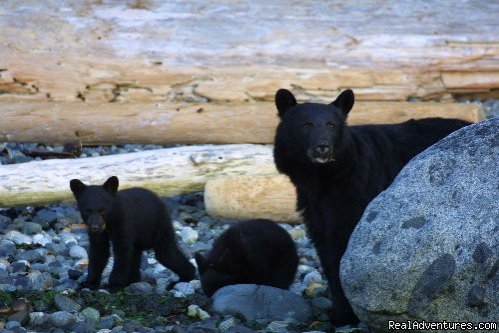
{"type": "Point", "coordinates": [307, 125]}
{"type": "Point", "coordinates": [330, 125]}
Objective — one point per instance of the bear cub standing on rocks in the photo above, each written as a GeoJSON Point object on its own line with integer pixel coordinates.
{"type": "Point", "coordinates": [338, 169]}
{"type": "Point", "coordinates": [255, 251]}
{"type": "Point", "coordinates": [133, 220]}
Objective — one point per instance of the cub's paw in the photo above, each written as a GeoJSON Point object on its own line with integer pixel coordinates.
{"type": "Point", "coordinates": [93, 285]}
{"type": "Point", "coordinates": [114, 287]}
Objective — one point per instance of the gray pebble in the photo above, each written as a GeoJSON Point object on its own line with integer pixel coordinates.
{"type": "Point", "coordinates": [45, 215]}
{"type": "Point", "coordinates": [321, 303]}
{"type": "Point", "coordinates": [31, 228]}
{"type": "Point", "coordinates": [92, 316]}
{"type": "Point", "coordinates": [140, 288]}
{"type": "Point", "coordinates": [7, 248]}
{"type": "Point", "coordinates": [61, 318]}
{"type": "Point", "coordinates": [77, 252]}
{"type": "Point", "coordinates": [32, 256]}
{"type": "Point", "coordinates": [65, 303]}
{"type": "Point", "coordinates": [185, 288]}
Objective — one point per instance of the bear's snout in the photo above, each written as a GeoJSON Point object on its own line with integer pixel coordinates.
{"type": "Point", "coordinates": [322, 148]}
{"type": "Point", "coordinates": [321, 153]}
{"type": "Point", "coordinates": [96, 223]}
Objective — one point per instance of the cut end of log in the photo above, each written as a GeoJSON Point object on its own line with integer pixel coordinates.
{"type": "Point", "coordinates": [269, 197]}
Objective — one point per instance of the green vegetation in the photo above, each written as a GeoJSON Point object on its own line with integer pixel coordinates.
{"type": "Point", "coordinates": [149, 309]}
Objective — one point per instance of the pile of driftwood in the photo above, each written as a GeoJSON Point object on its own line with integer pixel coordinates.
{"type": "Point", "coordinates": [240, 180]}
{"type": "Point", "coordinates": [78, 80]}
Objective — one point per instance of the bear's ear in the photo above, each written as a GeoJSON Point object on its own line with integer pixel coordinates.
{"type": "Point", "coordinates": [77, 186]}
{"type": "Point", "coordinates": [284, 100]}
{"type": "Point", "coordinates": [345, 101]}
{"type": "Point", "coordinates": [200, 261]}
{"type": "Point", "coordinates": [111, 185]}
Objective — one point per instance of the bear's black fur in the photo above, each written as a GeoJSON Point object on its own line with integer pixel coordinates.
{"type": "Point", "coordinates": [338, 169]}
{"type": "Point", "coordinates": [255, 251]}
{"type": "Point", "coordinates": [133, 220]}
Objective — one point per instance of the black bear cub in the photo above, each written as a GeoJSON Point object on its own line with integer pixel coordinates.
{"type": "Point", "coordinates": [133, 220]}
{"type": "Point", "coordinates": [338, 169]}
{"type": "Point", "coordinates": [255, 251]}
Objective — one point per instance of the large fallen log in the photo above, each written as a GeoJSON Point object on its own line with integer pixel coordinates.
{"type": "Point", "coordinates": [171, 51]}
{"type": "Point", "coordinates": [169, 123]}
{"type": "Point", "coordinates": [167, 172]}
{"type": "Point", "coordinates": [270, 197]}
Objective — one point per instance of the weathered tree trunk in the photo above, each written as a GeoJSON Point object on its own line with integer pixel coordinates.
{"type": "Point", "coordinates": [167, 172]}
{"type": "Point", "coordinates": [167, 123]}
{"type": "Point", "coordinates": [270, 197]}
{"type": "Point", "coordinates": [172, 51]}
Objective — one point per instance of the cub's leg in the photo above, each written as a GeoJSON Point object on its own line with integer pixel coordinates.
{"type": "Point", "coordinates": [123, 252]}
{"type": "Point", "coordinates": [169, 255]}
{"type": "Point", "coordinates": [97, 260]}
{"type": "Point", "coordinates": [134, 275]}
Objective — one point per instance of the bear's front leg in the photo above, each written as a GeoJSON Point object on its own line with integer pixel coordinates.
{"type": "Point", "coordinates": [97, 259]}
{"type": "Point", "coordinates": [123, 251]}
{"type": "Point", "coordinates": [341, 313]}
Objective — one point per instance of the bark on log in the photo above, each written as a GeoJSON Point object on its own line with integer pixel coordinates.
{"type": "Point", "coordinates": [181, 51]}
{"type": "Point", "coordinates": [169, 123]}
{"type": "Point", "coordinates": [167, 172]}
{"type": "Point", "coordinates": [270, 197]}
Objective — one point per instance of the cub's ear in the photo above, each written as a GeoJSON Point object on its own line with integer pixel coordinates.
{"type": "Point", "coordinates": [77, 186]}
{"type": "Point", "coordinates": [200, 261]}
{"type": "Point", "coordinates": [345, 101]}
{"type": "Point", "coordinates": [111, 185]}
{"type": "Point", "coordinates": [284, 100]}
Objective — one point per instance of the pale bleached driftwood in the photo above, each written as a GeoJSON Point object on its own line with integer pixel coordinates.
{"type": "Point", "coordinates": [167, 123]}
{"type": "Point", "coordinates": [270, 197]}
{"type": "Point", "coordinates": [167, 172]}
{"type": "Point", "coordinates": [168, 51]}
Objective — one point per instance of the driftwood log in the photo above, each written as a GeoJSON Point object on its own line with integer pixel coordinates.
{"type": "Point", "coordinates": [167, 171]}
{"type": "Point", "coordinates": [169, 123]}
{"type": "Point", "coordinates": [196, 51]}
{"type": "Point", "coordinates": [270, 197]}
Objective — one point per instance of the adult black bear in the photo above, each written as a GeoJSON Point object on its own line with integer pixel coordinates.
{"type": "Point", "coordinates": [133, 220]}
{"type": "Point", "coordinates": [255, 251]}
{"type": "Point", "coordinates": [338, 169]}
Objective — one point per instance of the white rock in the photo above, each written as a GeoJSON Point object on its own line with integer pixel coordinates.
{"type": "Point", "coordinates": [195, 311]}
{"type": "Point", "coordinates": [42, 239]}
{"type": "Point", "coordinates": [297, 233]}
{"type": "Point", "coordinates": [304, 269]}
{"type": "Point", "coordinates": [196, 284]}
{"type": "Point", "coordinates": [158, 268]}
{"type": "Point", "coordinates": [67, 238]}
{"type": "Point", "coordinates": [189, 235]}
{"type": "Point", "coordinates": [18, 238]}
{"type": "Point", "coordinates": [177, 225]}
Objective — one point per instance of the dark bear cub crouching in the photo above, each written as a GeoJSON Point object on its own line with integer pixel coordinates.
{"type": "Point", "coordinates": [338, 169]}
{"type": "Point", "coordinates": [133, 220]}
{"type": "Point", "coordinates": [255, 251]}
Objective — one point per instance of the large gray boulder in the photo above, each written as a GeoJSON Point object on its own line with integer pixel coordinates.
{"type": "Point", "coordinates": [427, 248]}
{"type": "Point", "coordinates": [261, 302]}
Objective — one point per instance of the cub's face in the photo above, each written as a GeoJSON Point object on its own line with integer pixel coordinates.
{"type": "Point", "coordinates": [311, 132]}
{"type": "Point", "coordinates": [95, 202]}
{"type": "Point", "coordinates": [214, 274]}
